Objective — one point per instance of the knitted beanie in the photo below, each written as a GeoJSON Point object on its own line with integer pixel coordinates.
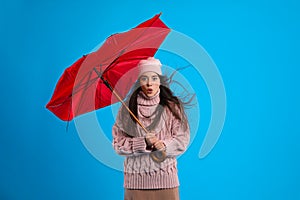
{"type": "Point", "coordinates": [151, 64]}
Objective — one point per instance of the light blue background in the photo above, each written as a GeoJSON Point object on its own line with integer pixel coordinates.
{"type": "Point", "coordinates": [255, 45]}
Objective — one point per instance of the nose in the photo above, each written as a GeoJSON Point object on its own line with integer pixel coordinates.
{"type": "Point", "coordinates": [149, 82]}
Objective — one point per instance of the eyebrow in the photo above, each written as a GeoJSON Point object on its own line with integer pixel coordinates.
{"type": "Point", "coordinates": [144, 76]}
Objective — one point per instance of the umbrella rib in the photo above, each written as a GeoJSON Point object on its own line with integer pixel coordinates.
{"type": "Point", "coordinates": [83, 94]}
{"type": "Point", "coordinates": [87, 84]}
{"type": "Point", "coordinates": [84, 85]}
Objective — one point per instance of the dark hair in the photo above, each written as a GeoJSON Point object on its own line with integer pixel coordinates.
{"type": "Point", "coordinates": [167, 99]}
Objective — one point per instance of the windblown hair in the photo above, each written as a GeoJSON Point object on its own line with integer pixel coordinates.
{"type": "Point", "coordinates": [167, 100]}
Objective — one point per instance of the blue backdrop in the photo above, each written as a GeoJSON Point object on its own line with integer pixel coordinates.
{"type": "Point", "coordinates": [255, 45]}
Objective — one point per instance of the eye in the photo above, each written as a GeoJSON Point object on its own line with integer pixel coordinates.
{"type": "Point", "coordinates": [154, 78]}
{"type": "Point", "coordinates": [143, 79]}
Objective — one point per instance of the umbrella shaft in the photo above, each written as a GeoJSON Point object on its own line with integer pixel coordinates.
{"type": "Point", "coordinates": [131, 113]}
{"type": "Point", "coordinates": [120, 99]}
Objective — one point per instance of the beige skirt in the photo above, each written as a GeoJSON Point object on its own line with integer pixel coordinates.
{"type": "Point", "coordinates": [155, 194]}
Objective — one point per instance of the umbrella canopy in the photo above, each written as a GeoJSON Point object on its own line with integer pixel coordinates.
{"type": "Point", "coordinates": [82, 87]}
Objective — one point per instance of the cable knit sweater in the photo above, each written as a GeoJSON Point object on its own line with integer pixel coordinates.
{"type": "Point", "coordinates": [140, 171]}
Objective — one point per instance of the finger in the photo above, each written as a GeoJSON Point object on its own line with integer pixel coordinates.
{"type": "Point", "coordinates": [150, 135]}
{"type": "Point", "coordinates": [159, 145]}
{"type": "Point", "coordinates": [153, 140]}
{"type": "Point", "coordinates": [150, 139]}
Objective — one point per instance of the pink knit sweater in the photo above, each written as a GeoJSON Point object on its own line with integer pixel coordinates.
{"type": "Point", "coordinates": [140, 171]}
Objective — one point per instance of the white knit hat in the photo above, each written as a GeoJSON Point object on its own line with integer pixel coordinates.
{"type": "Point", "coordinates": [151, 64]}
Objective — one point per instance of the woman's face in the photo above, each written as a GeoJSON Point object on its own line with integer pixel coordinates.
{"type": "Point", "coordinates": [150, 83]}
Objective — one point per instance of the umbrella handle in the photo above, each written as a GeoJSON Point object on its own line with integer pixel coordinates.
{"type": "Point", "coordinates": [158, 155]}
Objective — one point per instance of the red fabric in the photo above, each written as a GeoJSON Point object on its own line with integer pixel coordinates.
{"type": "Point", "coordinates": [79, 90]}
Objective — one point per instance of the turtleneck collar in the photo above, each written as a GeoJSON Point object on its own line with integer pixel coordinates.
{"type": "Point", "coordinates": [143, 99]}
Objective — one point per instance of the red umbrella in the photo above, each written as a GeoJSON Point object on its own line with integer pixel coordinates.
{"type": "Point", "coordinates": [83, 87]}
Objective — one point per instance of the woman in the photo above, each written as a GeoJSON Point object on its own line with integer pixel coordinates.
{"type": "Point", "coordinates": [162, 113]}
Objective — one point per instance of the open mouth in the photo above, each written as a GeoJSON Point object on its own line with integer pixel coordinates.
{"type": "Point", "coordinates": [149, 91]}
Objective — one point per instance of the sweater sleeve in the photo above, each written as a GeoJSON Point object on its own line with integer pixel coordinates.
{"type": "Point", "coordinates": [180, 138]}
{"type": "Point", "coordinates": [126, 145]}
